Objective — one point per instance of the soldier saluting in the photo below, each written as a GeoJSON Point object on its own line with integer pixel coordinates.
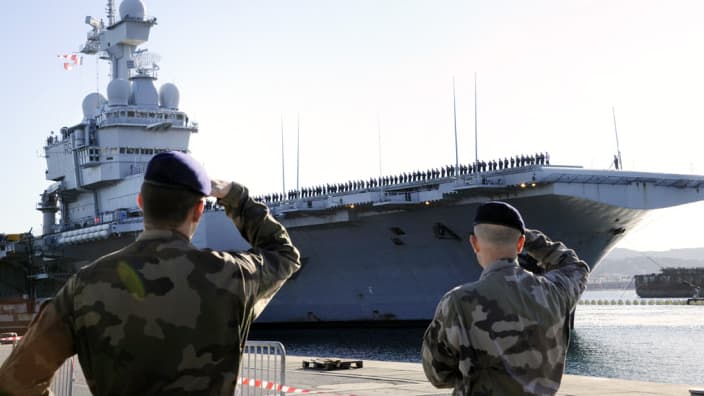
{"type": "Point", "coordinates": [506, 333]}
{"type": "Point", "coordinates": [161, 316]}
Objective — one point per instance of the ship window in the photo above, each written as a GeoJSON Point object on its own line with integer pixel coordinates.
{"type": "Point", "coordinates": [179, 117]}
{"type": "Point", "coordinates": [130, 114]}
{"type": "Point", "coordinates": [122, 150]}
{"type": "Point", "coordinates": [94, 155]}
{"type": "Point", "coordinates": [122, 113]}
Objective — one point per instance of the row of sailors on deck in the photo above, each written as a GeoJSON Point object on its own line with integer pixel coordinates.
{"type": "Point", "coordinates": [417, 176]}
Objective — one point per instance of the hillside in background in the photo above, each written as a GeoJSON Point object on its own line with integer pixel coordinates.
{"type": "Point", "coordinates": [621, 264]}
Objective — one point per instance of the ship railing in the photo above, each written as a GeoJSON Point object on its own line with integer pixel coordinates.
{"type": "Point", "coordinates": [263, 369]}
{"type": "Point", "coordinates": [135, 115]}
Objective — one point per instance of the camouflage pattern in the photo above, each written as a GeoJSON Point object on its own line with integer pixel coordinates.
{"type": "Point", "coordinates": [161, 316]}
{"type": "Point", "coordinates": [507, 333]}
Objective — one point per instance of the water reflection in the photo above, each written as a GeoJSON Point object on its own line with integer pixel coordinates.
{"type": "Point", "coordinates": [397, 344]}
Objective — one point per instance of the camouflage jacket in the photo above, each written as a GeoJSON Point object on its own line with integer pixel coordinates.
{"type": "Point", "coordinates": [506, 333]}
{"type": "Point", "coordinates": [159, 316]}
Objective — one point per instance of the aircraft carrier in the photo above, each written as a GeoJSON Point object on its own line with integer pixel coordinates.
{"type": "Point", "coordinates": [381, 251]}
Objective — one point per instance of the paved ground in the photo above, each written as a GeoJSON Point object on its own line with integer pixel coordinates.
{"type": "Point", "coordinates": [407, 379]}
{"type": "Point", "coordinates": [395, 378]}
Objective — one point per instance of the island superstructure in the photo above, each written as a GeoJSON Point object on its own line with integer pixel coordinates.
{"type": "Point", "coordinates": [381, 252]}
{"type": "Point", "coordinates": [97, 164]}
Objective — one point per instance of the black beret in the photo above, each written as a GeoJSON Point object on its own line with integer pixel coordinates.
{"type": "Point", "coordinates": [499, 213]}
{"type": "Point", "coordinates": [174, 169]}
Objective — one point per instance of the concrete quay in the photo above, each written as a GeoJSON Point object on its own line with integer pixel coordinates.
{"type": "Point", "coordinates": [407, 379]}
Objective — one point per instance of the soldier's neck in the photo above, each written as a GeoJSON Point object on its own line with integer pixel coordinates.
{"type": "Point", "coordinates": [487, 260]}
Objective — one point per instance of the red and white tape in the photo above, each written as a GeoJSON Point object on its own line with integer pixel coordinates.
{"type": "Point", "coordinates": [270, 385]}
{"type": "Point", "coordinates": [12, 339]}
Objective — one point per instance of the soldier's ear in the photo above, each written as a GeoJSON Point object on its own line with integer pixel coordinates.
{"type": "Point", "coordinates": [140, 203]}
{"type": "Point", "coordinates": [473, 242]}
{"type": "Point", "coordinates": [198, 210]}
{"type": "Point", "coordinates": [521, 242]}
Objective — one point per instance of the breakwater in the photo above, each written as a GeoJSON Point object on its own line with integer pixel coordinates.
{"type": "Point", "coordinates": [674, 301]}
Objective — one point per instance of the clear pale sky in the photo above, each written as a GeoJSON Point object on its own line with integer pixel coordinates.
{"type": "Point", "coordinates": [548, 72]}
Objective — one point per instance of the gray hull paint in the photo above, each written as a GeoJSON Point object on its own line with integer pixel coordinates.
{"type": "Point", "coordinates": [395, 266]}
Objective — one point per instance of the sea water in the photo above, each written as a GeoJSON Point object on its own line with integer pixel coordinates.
{"type": "Point", "coordinates": [660, 343]}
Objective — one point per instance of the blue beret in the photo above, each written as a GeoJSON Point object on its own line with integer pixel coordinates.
{"type": "Point", "coordinates": [174, 169]}
{"type": "Point", "coordinates": [499, 213]}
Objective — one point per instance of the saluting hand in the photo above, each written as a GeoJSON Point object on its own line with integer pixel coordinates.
{"type": "Point", "coordinates": [219, 188]}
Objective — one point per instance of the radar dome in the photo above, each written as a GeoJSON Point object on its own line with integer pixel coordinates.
{"type": "Point", "coordinates": [144, 93]}
{"type": "Point", "coordinates": [132, 9]}
{"type": "Point", "coordinates": [169, 96]}
{"type": "Point", "coordinates": [92, 104]}
{"type": "Point", "coordinates": [118, 92]}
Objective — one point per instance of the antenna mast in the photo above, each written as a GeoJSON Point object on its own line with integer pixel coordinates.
{"type": "Point", "coordinates": [111, 12]}
{"type": "Point", "coordinates": [283, 166]}
{"type": "Point", "coordinates": [378, 129]}
{"type": "Point", "coordinates": [454, 116]}
{"type": "Point", "coordinates": [298, 152]}
{"type": "Point", "coordinates": [618, 149]}
{"type": "Point", "coordinates": [476, 144]}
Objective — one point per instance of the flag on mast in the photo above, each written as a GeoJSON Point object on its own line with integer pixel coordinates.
{"type": "Point", "coordinates": [71, 60]}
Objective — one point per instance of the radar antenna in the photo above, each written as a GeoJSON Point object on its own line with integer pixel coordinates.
{"type": "Point", "coordinates": [145, 63]}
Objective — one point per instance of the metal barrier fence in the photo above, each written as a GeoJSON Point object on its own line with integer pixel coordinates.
{"type": "Point", "coordinates": [10, 337]}
{"type": "Point", "coordinates": [262, 369]}
{"type": "Point", "coordinates": [62, 385]}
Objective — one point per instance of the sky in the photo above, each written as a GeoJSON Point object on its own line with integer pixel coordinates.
{"type": "Point", "coordinates": [369, 86]}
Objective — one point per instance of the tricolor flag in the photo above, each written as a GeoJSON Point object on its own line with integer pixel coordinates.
{"type": "Point", "coordinates": [71, 60]}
